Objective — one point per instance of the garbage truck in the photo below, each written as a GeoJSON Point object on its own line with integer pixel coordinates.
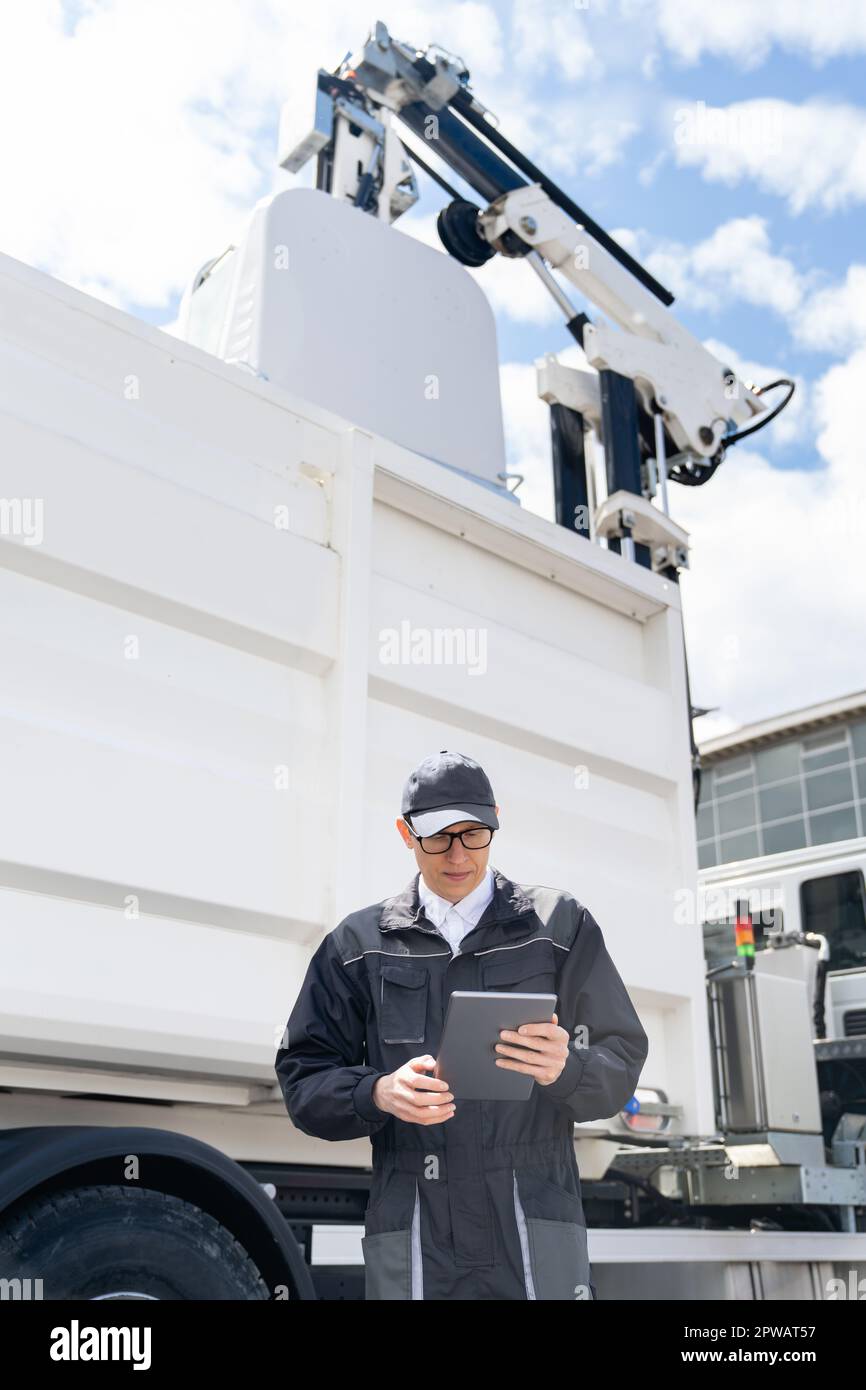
{"type": "Point", "coordinates": [254, 570]}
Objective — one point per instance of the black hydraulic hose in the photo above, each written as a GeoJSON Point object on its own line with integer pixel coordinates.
{"type": "Point", "coordinates": [764, 420]}
{"type": "Point", "coordinates": [437, 178]}
{"type": "Point", "coordinates": [704, 471]}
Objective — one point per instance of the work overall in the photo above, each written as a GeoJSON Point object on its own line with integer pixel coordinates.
{"type": "Point", "coordinates": [487, 1204]}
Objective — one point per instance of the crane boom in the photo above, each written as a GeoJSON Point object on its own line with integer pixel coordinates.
{"type": "Point", "coordinates": [661, 404]}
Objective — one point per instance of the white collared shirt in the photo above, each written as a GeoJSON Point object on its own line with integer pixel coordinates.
{"type": "Point", "coordinates": [454, 920]}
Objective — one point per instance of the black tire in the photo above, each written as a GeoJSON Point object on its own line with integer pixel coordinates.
{"type": "Point", "coordinates": [107, 1241]}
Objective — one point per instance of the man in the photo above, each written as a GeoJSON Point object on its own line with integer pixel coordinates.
{"type": "Point", "coordinates": [469, 1199]}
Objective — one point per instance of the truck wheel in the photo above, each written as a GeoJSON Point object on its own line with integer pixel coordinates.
{"type": "Point", "coordinates": [108, 1242]}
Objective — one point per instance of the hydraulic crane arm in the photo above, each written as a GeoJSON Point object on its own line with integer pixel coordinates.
{"type": "Point", "coordinates": [662, 405]}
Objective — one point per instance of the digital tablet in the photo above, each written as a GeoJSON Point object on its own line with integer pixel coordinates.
{"type": "Point", "coordinates": [467, 1053]}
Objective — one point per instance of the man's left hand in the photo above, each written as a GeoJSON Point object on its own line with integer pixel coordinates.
{"type": "Point", "coordinates": [549, 1050]}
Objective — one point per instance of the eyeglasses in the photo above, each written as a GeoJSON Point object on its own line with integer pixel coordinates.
{"type": "Point", "coordinates": [476, 838]}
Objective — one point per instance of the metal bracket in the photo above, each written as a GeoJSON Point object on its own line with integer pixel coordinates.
{"type": "Point", "coordinates": [571, 387]}
{"type": "Point", "coordinates": [626, 514]}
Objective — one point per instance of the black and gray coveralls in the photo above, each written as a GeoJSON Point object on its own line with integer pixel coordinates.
{"type": "Point", "coordinates": [487, 1204]}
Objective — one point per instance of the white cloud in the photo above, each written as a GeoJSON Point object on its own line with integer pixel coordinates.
{"type": "Point", "coordinates": [466, 27]}
{"type": "Point", "coordinates": [628, 238]}
{"type": "Point", "coordinates": [603, 139]}
{"type": "Point", "coordinates": [557, 37]}
{"type": "Point", "coordinates": [745, 31]}
{"type": "Point", "coordinates": [775, 598]}
{"type": "Point", "coordinates": [835, 318]}
{"type": "Point", "coordinates": [713, 725]}
{"type": "Point", "coordinates": [515, 290]}
{"type": "Point", "coordinates": [839, 416]}
{"type": "Point", "coordinates": [738, 257]}
{"type": "Point", "coordinates": [813, 154]}
{"type": "Point", "coordinates": [647, 172]}
{"type": "Point", "coordinates": [736, 260]}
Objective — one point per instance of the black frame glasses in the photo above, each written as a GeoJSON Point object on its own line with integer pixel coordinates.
{"type": "Point", "coordinates": [452, 836]}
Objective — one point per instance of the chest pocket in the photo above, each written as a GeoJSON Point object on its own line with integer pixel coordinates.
{"type": "Point", "coordinates": [403, 1003]}
{"type": "Point", "coordinates": [529, 969]}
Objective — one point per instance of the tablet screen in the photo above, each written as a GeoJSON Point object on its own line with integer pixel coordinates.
{"type": "Point", "coordinates": [467, 1053]}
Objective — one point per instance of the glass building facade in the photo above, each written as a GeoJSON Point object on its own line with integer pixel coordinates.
{"type": "Point", "coordinates": [807, 789]}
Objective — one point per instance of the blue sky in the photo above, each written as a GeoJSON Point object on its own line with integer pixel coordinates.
{"type": "Point", "coordinates": [145, 131]}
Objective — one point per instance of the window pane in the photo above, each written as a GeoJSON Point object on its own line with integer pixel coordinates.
{"type": "Point", "coordinates": [861, 779]}
{"type": "Point", "coordinates": [858, 738]}
{"type": "Point", "coordinates": [775, 763]}
{"type": "Point", "coordinates": [739, 847]}
{"type": "Point", "coordinates": [729, 767]}
{"type": "Point", "coordinates": [784, 800]}
{"type": "Point", "coordinates": [705, 823]}
{"type": "Point", "coordinates": [738, 813]}
{"type": "Point", "coordinates": [832, 825]}
{"type": "Point", "coordinates": [707, 855]}
{"type": "Point", "coordinates": [832, 757]}
{"type": "Point", "coordinates": [706, 782]}
{"type": "Point", "coordinates": [834, 905]}
{"type": "Point", "coordinates": [729, 785]}
{"type": "Point", "coordinates": [829, 789]}
{"type": "Point", "coordinates": [790, 834]}
{"type": "Point", "coordinates": [706, 794]}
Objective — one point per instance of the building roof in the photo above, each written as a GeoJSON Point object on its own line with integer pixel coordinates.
{"type": "Point", "coordinates": [783, 726]}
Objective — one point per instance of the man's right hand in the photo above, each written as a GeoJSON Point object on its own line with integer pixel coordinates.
{"type": "Point", "coordinates": [412, 1095]}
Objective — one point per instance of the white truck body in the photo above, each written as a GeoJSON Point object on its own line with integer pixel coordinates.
{"type": "Point", "coordinates": [205, 732]}
{"type": "Point", "coordinates": [232, 621]}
